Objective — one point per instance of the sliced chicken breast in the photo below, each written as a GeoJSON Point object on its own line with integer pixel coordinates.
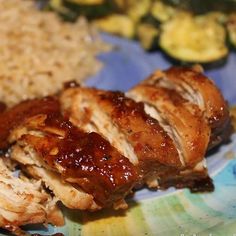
{"type": "Point", "coordinates": [24, 202]}
{"type": "Point", "coordinates": [184, 122]}
{"type": "Point", "coordinates": [194, 86]}
{"type": "Point", "coordinates": [153, 148]}
{"type": "Point", "coordinates": [83, 159]}
{"type": "Point", "coordinates": [71, 197]}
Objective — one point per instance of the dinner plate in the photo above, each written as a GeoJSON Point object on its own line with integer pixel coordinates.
{"type": "Point", "coordinates": [172, 212]}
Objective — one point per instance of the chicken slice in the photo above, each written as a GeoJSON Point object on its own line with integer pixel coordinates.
{"type": "Point", "coordinates": [71, 197]}
{"type": "Point", "coordinates": [83, 159]}
{"type": "Point", "coordinates": [11, 118]}
{"type": "Point", "coordinates": [194, 86]}
{"type": "Point", "coordinates": [78, 105]}
{"type": "Point", "coordinates": [184, 122]}
{"type": "Point", "coordinates": [154, 149]}
{"type": "Point", "coordinates": [23, 202]}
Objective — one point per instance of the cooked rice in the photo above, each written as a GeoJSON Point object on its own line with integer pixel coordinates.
{"type": "Point", "coordinates": [39, 52]}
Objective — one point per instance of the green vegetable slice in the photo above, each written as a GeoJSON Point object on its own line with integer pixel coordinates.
{"type": "Point", "coordinates": [193, 39]}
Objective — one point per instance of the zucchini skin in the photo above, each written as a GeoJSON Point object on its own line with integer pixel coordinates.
{"type": "Point", "coordinates": [206, 66]}
{"type": "Point", "coordinates": [194, 39]}
{"type": "Point", "coordinates": [147, 15]}
{"type": "Point", "coordinates": [202, 7]}
{"type": "Point", "coordinates": [90, 11]}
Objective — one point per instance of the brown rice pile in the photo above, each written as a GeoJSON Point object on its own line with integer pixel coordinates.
{"type": "Point", "coordinates": [39, 52]}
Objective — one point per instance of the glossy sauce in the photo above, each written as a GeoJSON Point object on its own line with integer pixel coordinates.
{"type": "Point", "coordinates": [15, 116]}
{"type": "Point", "coordinates": [86, 159]}
{"type": "Point", "coordinates": [216, 108]}
{"type": "Point", "coordinates": [147, 137]}
{"type": "Point", "coordinates": [3, 107]}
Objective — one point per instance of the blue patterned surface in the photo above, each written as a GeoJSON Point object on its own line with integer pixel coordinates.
{"type": "Point", "coordinates": [129, 64]}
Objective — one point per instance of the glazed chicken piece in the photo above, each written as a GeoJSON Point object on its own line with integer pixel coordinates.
{"type": "Point", "coordinates": [125, 122]}
{"type": "Point", "coordinates": [92, 147]}
{"type": "Point", "coordinates": [86, 161]}
{"type": "Point", "coordinates": [195, 87]}
{"type": "Point", "coordinates": [183, 121]}
{"type": "Point", "coordinates": [71, 197]}
{"type": "Point", "coordinates": [9, 121]}
{"type": "Point", "coordinates": [24, 202]}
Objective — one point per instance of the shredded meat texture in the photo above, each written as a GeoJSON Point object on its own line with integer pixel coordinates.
{"type": "Point", "coordinates": [86, 160]}
{"type": "Point", "coordinates": [195, 87]}
{"type": "Point", "coordinates": [145, 137]}
{"type": "Point", "coordinates": [23, 202]}
{"type": "Point", "coordinates": [91, 147]}
{"type": "Point", "coordinates": [183, 121]}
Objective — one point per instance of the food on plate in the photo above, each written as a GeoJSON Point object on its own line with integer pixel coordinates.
{"type": "Point", "coordinates": [193, 39]}
{"type": "Point", "coordinates": [91, 148]}
{"type": "Point", "coordinates": [233, 117]}
{"type": "Point", "coordinates": [197, 89]}
{"type": "Point", "coordinates": [39, 52]}
{"type": "Point", "coordinates": [201, 8]}
{"type": "Point", "coordinates": [88, 2]}
{"type": "Point", "coordinates": [116, 24]}
{"type": "Point", "coordinates": [148, 36]}
{"type": "Point", "coordinates": [186, 31]}
{"type": "Point", "coordinates": [23, 201]}
{"type": "Point", "coordinates": [48, 145]}
{"type": "Point", "coordinates": [162, 11]}
{"type": "Point", "coordinates": [136, 135]}
{"type": "Point", "coordinates": [231, 27]}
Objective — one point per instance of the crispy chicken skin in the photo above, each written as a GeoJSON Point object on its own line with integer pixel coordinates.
{"type": "Point", "coordinates": [23, 202]}
{"type": "Point", "coordinates": [183, 121]}
{"type": "Point", "coordinates": [194, 86]}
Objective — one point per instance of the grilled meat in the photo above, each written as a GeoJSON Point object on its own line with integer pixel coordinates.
{"type": "Point", "coordinates": [71, 197]}
{"type": "Point", "coordinates": [152, 149]}
{"type": "Point", "coordinates": [92, 147]}
{"type": "Point", "coordinates": [85, 160]}
{"type": "Point", "coordinates": [183, 121]}
{"type": "Point", "coordinates": [24, 202]}
{"type": "Point", "coordinates": [195, 87]}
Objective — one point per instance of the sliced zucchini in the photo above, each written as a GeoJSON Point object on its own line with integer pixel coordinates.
{"type": "Point", "coordinates": [231, 27]}
{"type": "Point", "coordinates": [219, 17]}
{"type": "Point", "coordinates": [161, 11]}
{"type": "Point", "coordinates": [87, 2]}
{"type": "Point", "coordinates": [71, 9]}
{"type": "Point", "coordinates": [193, 39]}
{"type": "Point", "coordinates": [148, 35]}
{"type": "Point", "coordinates": [89, 10]}
{"type": "Point", "coordinates": [137, 9]}
{"type": "Point", "coordinates": [116, 24]}
{"type": "Point", "coordinates": [133, 8]}
{"type": "Point", "coordinates": [203, 7]}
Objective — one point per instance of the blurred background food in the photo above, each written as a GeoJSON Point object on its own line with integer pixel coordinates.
{"type": "Point", "coordinates": [188, 31]}
{"type": "Point", "coordinates": [39, 51]}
